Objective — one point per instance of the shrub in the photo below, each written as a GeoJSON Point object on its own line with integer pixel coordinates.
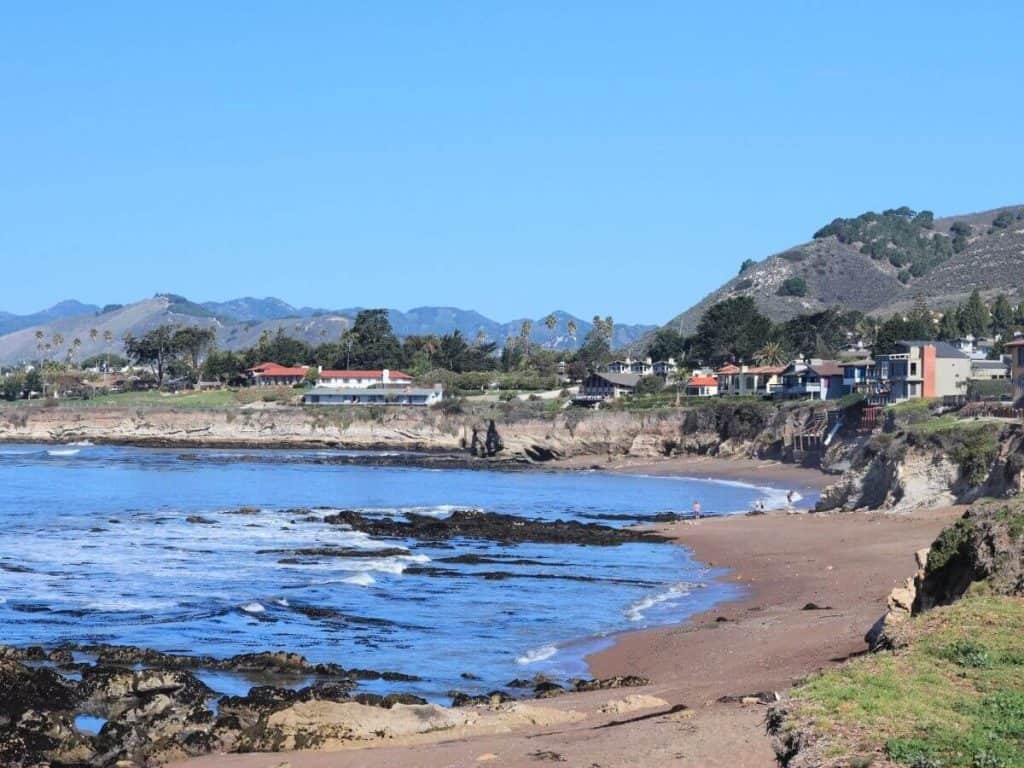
{"type": "Point", "coordinates": [1003, 220]}
{"type": "Point", "coordinates": [793, 286]}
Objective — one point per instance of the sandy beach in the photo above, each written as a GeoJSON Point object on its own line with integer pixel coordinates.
{"type": "Point", "coordinates": [843, 564]}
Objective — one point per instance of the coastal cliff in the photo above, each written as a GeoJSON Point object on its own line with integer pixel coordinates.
{"type": "Point", "coordinates": [515, 432]}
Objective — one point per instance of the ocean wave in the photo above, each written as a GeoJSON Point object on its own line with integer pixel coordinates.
{"type": "Point", "coordinates": [252, 607]}
{"type": "Point", "coordinates": [63, 451]}
{"type": "Point", "coordinates": [636, 612]}
{"type": "Point", "coordinates": [363, 579]}
{"type": "Point", "coordinates": [534, 655]}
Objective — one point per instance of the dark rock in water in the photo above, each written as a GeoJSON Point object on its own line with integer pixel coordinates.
{"type": "Point", "coordinates": [388, 701]}
{"type": "Point", "coordinates": [60, 656]}
{"type": "Point", "coordinates": [469, 676]}
{"type": "Point", "coordinates": [619, 681]}
{"type": "Point", "coordinates": [521, 683]}
{"type": "Point", "coordinates": [547, 689]}
{"type": "Point", "coordinates": [337, 552]}
{"type": "Point", "coordinates": [24, 688]}
{"type": "Point", "coordinates": [492, 699]}
{"type": "Point", "coordinates": [113, 692]}
{"type": "Point", "coordinates": [199, 520]}
{"type": "Point", "coordinates": [474, 524]}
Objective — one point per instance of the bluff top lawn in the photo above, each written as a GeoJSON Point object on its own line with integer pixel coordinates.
{"type": "Point", "coordinates": [219, 398]}
{"type": "Point", "coordinates": [953, 697]}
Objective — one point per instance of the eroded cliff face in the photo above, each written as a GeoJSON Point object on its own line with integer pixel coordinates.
{"type": "Point", "coordinates": [721, 428]}
{"type": "Point", "coordinates": [901, 470]}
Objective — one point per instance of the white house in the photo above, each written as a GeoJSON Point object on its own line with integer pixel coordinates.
{"type": "Point", "coordinates": [362, 379]}
{"type": "Point", "coordinates": [702, 386]}
{"type": "Point", "coordinates": [403, 396]}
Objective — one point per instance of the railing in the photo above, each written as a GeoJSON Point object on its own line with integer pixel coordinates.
{"type": "Point", "coordinates": [811, 388]}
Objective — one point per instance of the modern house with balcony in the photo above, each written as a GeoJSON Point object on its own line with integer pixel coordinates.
{"type": "Point", "coordinates": [811, 380]}
{"type": "Point", "coordinates": [754, 381]}
{"type": "Point", "coordinates": [918, 369]}
{"type": "Point", "coordinates": [1015, 349]}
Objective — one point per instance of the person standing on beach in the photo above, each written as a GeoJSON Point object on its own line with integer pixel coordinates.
{"type": "Point", "coordinates": [789, 500]}
{"type": "Point", "coordinates": [696, 510]}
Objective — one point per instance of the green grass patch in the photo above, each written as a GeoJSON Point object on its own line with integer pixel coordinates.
{"type": "Point", "coordinates": [954, 697]}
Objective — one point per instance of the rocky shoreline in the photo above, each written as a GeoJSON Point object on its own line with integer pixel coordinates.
{"type": "Point", "coordinates": [153, 707]}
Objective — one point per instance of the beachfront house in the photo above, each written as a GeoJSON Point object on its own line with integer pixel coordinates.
{"type": "Point", "coordinates": [918, 369]}
{"type": "Point", "coordinates": [274, 375]}
{"type": "Point", "coordinates": [1015, 349]}
{"type": "Point", "coordinates": [702, 386]}
{"type": "Point", "coordinates": [629, 365]}
{"type": "Point", "coordinates": [383, 396]}
{"type": "Point", "coordinates": [752, 381]}
{"type": "Point", "coordinates": [606, 386]}
{"type": "Point", "coordinates": [667, 369]}
{"type": "Point", "coordinates": [810, 380]}
{"type": "Point", "coordinates": [362, 379]}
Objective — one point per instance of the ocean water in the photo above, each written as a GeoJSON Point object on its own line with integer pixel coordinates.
{"type": "Point", "coordinates": [96, 546]}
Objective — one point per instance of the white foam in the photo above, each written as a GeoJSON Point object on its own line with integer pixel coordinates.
{"type": "Point", "coordinates": [83, 443]}
{"type": "Point", "coordinates": [360, 579]}
{"type": "Point", "coordinates": [63, 451]}
{"type": "Point", "coordinates": [253, 607]}
{"type": "Point", "coordinates": [282, 602]}
{"type": "Point", "coordinates": [537, 654]}
{"type": "Point", "coordinates": [635, 612]}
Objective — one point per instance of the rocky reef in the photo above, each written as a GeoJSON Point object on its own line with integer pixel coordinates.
{"type": "Point", "coordinates": [148, 707]}
{"type": "Point", "coordinates": [492, 526]}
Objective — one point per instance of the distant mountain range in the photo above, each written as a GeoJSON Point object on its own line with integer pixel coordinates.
{"type": "Point", "coordinates": [881, 263]}
{"type": "Point", "coordinates": [239, 323]}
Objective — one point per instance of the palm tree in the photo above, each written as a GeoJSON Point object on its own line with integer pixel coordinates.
{"type": "Point", "coordinates": [58, 341]}
{"type": "Point", "coordinates": [75, 344]}
{"type": "Point", "coordinates": [571, 327]}
{"type": "Point", "coordinates": [524, 333]}
{"type": "Point", "coordinates": [93, 334]}
{"type": "Point", "coordinates": [481, 337]}
{"type": "Point", "coordinates": [108, 337]}
{"type": "Point", "coordinates": [771, 353]}
{"type": "Point", "coordinates": [39, 340]}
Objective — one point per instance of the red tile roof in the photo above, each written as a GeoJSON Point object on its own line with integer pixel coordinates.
{"type": "Point", "coordinates": [728, 369]}
{"type": "Point", "coordinates": [768, 370]}
{"type": "Point", "coordinates": [273, 369]}
{"type": "Point", "coordinates": [393, 375]}
{"type": "Point", "coordinates": [702, 381]}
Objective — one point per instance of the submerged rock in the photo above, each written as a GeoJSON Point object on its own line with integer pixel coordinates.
{"type": "Point", "coordinates": [474, 524]}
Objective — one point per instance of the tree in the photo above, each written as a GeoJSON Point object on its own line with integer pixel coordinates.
{"type": "Point", "coordinates": [949, 326]}
{"type": "Point", "coordinates": [650, 385]}
{"type": "Point", "coordinates": [551, 322]}
{"type": "Point", "coordinates": [155, 349]}
{"type": "Point", "coordinates": [374, 344]}
{"type": "Point", "coordinates": [226, 367]}
{"type": "Point", "coordinates": [772, 353]}
{"type": "Point", "coordinates": [733, 329]}
{"type": "Point", "coordinates": [193, 342]}
{"type": "Point", "coordinates": [12, 387]}
{"type": "Point", "coordinates": [793, 286]}
{"type": "Point", "coordinates": [524, 335]}
{"type": "Point", "coordinates": [747, 264]}
{"type": "Point", "coordinates": [667, 343]}
{"type": "Point", "coordinates": [974, 316]}
{"type": "Point", "coordinates": [1002, 315]}
{"type": "Point", "coordinates": [33, 382]}
{"type": "Point", "coordinates": [571, 329]}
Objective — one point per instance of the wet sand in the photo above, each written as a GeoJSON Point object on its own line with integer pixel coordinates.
{"type": "Point", "coordinates": [846, 564]}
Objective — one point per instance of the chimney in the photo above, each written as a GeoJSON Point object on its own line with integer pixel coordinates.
{"type": "Point", "coordinates": [385, 376]}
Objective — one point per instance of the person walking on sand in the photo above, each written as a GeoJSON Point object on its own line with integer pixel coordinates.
{"type": "Point", "coordinates": [696, 510]}
{"type": "Point", "coordinates": [789, 499]}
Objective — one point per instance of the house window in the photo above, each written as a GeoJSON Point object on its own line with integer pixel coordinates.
{"type": "Point", "coordinates": [913, 369]}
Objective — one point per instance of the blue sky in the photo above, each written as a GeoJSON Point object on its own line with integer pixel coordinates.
{"type": "Point", "coordinates": [515, 157]}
